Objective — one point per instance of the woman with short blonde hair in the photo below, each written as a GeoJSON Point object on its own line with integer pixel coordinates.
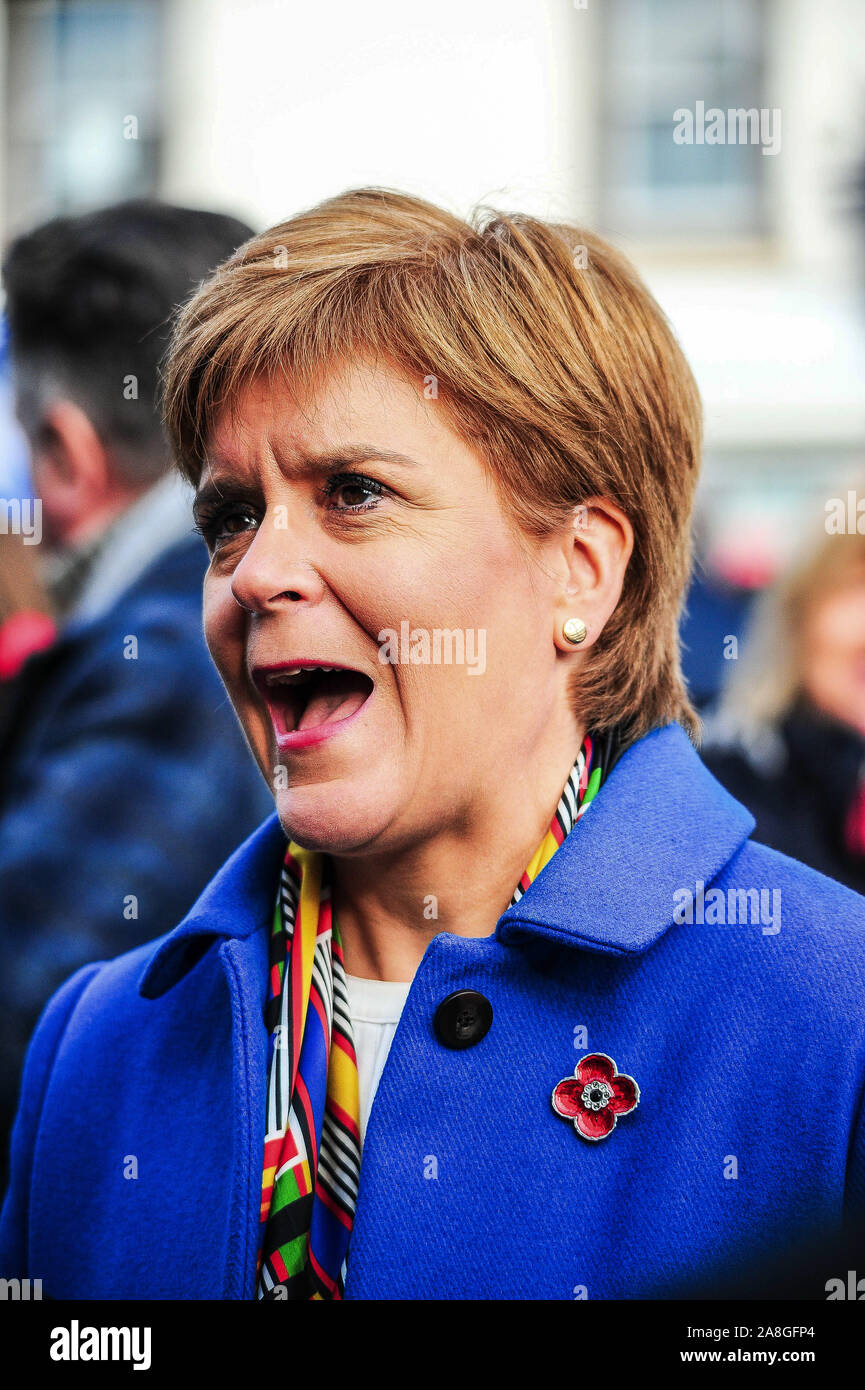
{"type": "Point", "coordinates": [496, 1002]}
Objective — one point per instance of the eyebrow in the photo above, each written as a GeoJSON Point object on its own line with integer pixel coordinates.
{"type": "Point", "coordinates": [325, 462]}
{"type": "Point", "coordinates": [329, 459]}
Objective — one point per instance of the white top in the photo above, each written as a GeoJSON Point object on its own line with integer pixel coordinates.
{"type": "Point", "coordinates": [375, 1007]}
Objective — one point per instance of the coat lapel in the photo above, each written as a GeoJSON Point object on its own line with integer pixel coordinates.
{"type": "Point", "coordinates": [245, 966]}
{"type": "Point", "coordinates": [234, 914]}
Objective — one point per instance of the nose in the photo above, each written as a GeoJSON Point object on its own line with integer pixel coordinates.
{"type": "Point", "coordinates": [273, 572]}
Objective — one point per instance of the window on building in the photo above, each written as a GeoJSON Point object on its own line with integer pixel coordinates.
{"type": "Point", "coordinates": [83, 104]}
{"type": "Point", "coordinates": [662, 56]}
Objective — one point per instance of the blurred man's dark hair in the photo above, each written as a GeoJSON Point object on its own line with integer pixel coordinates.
{"type": "Point", "coordinates": [89, 299]}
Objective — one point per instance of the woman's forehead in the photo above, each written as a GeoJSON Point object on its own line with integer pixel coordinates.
{"type": "Point", "coordinates": [352, 411]}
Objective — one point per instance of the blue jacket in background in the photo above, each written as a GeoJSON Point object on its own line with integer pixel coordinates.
{"type": "Point", "coordinates": [124, 783]}
{"type": "Point", "coordinates": [137, 1153]}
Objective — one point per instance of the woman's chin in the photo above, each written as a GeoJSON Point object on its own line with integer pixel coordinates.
{"type": "Point", "coordinates": [330, 820]}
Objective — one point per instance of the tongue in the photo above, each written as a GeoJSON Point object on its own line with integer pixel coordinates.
{"type": "Point", "coordinates": [338, 697]}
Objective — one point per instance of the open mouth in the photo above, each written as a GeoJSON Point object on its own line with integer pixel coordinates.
{"type": "Point", "coordinates": [306, 700]}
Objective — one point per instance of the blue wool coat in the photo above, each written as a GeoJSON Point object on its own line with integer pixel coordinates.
{"type": "Point", "coordinates": [138, 1148]}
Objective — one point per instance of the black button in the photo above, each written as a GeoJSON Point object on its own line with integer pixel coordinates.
{"type": "Point", "coordinates": [463, 1018]}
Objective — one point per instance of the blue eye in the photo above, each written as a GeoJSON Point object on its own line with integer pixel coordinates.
{"type": "Point", "coordinates": [358, 493]}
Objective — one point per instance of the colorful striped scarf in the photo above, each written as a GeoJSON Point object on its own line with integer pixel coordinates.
{"type": "Point", "coordinates": [312, 1142]}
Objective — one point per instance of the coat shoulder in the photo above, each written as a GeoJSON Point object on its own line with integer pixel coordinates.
{"type": "Point", "coordinates": [816, 925]}
{"type": "Point", "coordinates": [100, 994]}
{"type": "Point", "coordinates": [817, 899]}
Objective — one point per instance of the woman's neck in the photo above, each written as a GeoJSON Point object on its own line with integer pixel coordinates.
{"type": "Point", "coordinates": [459, 880]}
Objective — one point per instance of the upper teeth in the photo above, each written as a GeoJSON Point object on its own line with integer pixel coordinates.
{"type": "Point", "coordinates": [280, 677]}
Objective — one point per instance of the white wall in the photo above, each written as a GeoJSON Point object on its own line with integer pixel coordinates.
{"type": "Point", "coordinates": [276, 104]}
{"type": "Point", "coordinates": [817, 77]}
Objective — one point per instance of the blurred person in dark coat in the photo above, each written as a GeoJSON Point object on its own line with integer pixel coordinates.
{"type": "Point", "coordinates": [124, 778]}
{"type": "Point", "coordinates": [788, 738]}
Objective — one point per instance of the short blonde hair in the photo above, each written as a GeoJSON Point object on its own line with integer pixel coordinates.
{"type": "Point", "coordinates": [550, 357]}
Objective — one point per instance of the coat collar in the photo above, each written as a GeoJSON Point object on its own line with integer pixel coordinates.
{"type": "Point", "coordinates": [234, 906]}
{"type": "Point", "coordinates": [661, 822]}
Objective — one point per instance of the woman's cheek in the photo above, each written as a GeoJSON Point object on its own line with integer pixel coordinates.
{"type": "Point", "coordinates": [224, 631]}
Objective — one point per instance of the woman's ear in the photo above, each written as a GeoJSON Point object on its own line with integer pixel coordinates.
{"type": "Point", "coordinates": [595, 550]}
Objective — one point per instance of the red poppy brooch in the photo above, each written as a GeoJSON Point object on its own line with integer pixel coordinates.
{"type": "Point", "coordinates": [595, 1096]}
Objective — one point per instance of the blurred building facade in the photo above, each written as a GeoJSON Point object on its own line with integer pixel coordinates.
{"type": "Point", "coordinates": [562, 107]}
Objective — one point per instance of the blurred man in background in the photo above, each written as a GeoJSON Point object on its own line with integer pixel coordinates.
{"type": "Point", "coordinates": [115, 738]}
